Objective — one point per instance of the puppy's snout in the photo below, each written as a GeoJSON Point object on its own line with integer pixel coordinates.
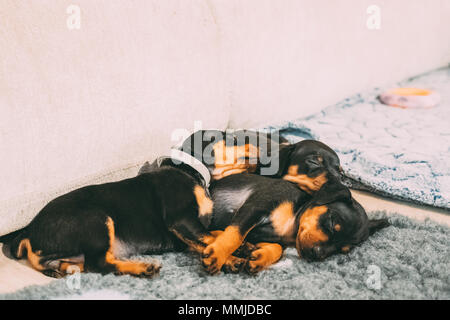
{"type": "Point", "coordinates": [315, 253]}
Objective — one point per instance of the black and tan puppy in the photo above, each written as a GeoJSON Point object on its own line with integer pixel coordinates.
{"type": "Point", "coordinates": [95, 227]}
{"type": "Point", "coordinates": [319, 217]}
{"type": "Point", "coordinates": [274, 214]}
{"type": "Point", "coordinates": [308, 163]}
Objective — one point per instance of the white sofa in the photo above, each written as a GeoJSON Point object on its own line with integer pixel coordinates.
{"type": "Point", "coordinates": [80, 106]}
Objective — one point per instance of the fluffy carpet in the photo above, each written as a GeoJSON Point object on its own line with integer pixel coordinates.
{"type": "Point", "coordinates": [408, 260]}
{"type": "Point", "coordinates": [402, 153]}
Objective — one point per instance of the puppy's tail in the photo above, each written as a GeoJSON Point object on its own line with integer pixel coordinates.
{"type": "Point", "coordinates": [12, 241]}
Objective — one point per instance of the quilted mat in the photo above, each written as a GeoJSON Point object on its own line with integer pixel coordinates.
{"type": "Point", "coordinates": [401, 153]}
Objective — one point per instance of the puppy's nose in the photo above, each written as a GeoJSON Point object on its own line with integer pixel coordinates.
{"type": "Point", "coordinates": [318, 252]}
{"type": "Point", "coordinates": [313, 254]}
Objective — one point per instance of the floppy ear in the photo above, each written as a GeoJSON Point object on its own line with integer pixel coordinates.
{"type": "Point", "coordinates": [332, 191]}
{"type": "Point", "coordinates": [377, 224]}
{"type": "Point", "coordinates": [147, 167]}
{"type": "Point", "coordinates": [284, 155]}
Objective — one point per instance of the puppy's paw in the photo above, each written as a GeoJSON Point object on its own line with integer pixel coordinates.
{"type": "Point", "coordinates": [245, 250]}
{"type": "Point", "coordinates": [257, 262]}
{"type": "Point", "coordinates": [150, 270]}
{"type": "Point", "coordinates": [234, 265]}
{"type": "Point", "coordinates": [138, 269]}
{"type": "Point", "coordinates": [53, 273]}
{"type": "Point", "coordinates": [213, 259]}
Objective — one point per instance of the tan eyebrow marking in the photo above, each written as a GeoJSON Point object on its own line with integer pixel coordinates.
{"type": "Point", "coordinates": [309, 233]}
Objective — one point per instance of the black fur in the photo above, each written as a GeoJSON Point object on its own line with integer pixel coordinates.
{"type": "Point", "coordinates": [264, 195]}
{"type": "Point", "coordinates": [267, 193]}
{"type": "Point", "coordinates": [152, 213]}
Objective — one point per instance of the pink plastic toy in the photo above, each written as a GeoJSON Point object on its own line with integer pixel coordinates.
{"type": "Point", "coordinates": [410, 98]}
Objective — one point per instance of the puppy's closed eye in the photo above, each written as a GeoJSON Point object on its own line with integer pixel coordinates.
{"type": "Point", "coordinates": [314, 162]}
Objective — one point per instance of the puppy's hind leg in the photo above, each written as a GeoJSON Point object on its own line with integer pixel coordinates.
{"type": "Point", "coordinates": [99, 256]}
{"type": "Point", "coordinates": [34, 257]}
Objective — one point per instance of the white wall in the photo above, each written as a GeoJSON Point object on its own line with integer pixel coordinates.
{"type": "Point", "coordinates": [286, 59]}
{"type": "Point", "coordinates": [77, 103]}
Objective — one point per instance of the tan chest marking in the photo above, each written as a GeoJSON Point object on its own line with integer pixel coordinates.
{"type": "Point", "coordinates": [283, 218]}
{"type": "Point", "coordinates": [205, 204]}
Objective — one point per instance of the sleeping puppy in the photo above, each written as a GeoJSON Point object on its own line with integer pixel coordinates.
{"type": "Point", "coordinates": [308, 163]}
{"type": "Point", "coordinates": [96, 227]}
{"type": "Point", "coordinates": [274, 214]}
{"type": "Point", "coordinates": [319, 217]}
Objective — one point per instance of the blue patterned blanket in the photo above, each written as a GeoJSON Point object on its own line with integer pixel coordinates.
{"type": "Point", "coordinates": [402, 153]}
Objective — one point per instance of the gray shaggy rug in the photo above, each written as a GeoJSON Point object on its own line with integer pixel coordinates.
{"type": "Point", "coordinates": [408, 260]}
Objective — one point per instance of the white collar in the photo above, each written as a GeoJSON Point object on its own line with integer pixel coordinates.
{"type": "Point", "coordinates": [186, 158]}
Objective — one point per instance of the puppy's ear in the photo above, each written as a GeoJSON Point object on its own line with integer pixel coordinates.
{"type": "Point", "coordinates": [283, 141]}
{"type": "Point", "coordinates": [283, 157]}
{"type": "Point", "coordinates": [377, 224]}
{"type": "Point", "coordinates": [145, 168]}
{"type": "Point", "coordinates": [333, 190]}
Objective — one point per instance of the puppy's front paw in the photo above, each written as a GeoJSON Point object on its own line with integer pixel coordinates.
{"type": "Point", "coordinates": [234, 264]}
{"type": "Point", "coordinates": [258, 262]}
{"type": "Point", "coordinates": [150, 270]}
{"type": "Point", "coordinates": [137, 269]}
{"type": "Point", "coordinates": [213, 259]}
{"type": "Point", "coordinates": [245, 250]}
